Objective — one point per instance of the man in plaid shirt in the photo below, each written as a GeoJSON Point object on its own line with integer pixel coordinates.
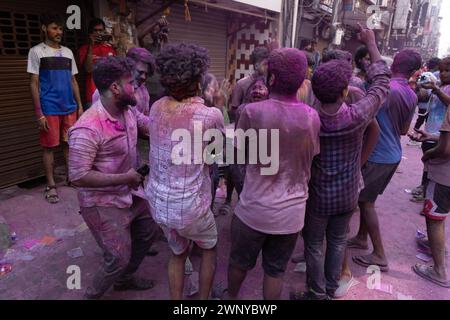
{"type": "Point", "coordinates": [179, 193]}
{"type": "Point", "coordinates": [336, 171]}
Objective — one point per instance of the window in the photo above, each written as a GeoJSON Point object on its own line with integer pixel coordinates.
{"type": "Point", "coordinates": [21, 31]}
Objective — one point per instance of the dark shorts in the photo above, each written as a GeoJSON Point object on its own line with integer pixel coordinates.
{"type": "Point", "coordinates": [376, 178]}
{"type": "Point", "coordinates": [437, 201]}
{"type": "Point", "coordinates": [246, 244]}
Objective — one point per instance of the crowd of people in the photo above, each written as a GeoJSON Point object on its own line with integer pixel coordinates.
{"type": "Point", "coordinates": [338, 130]}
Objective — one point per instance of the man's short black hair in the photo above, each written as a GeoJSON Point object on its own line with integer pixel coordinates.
{"type": "Point", "coordinates": [52, 17]}
{"type": "Point", "coordinates": [95, 22]}
{"type": "Point", "coordinates": [182, 67]}
{"type": "Point", "coordinates": [259, 54]}
{"type": "Point", "coordinates": [433, 63]}
{"type": "Point", "coordinates": [110, 69]}
{"type": "Point", "coordinates": [360, 53]}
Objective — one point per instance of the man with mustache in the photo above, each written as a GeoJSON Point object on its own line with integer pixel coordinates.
{"type": "Point", "coordinates": [55, 94]}
{"type": "Point", "coordinates": [103, 162]}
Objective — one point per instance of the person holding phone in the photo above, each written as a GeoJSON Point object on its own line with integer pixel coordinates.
{"type": "Point", "coordinates": [102, 166]}
{"type": "Point", "coordinates": [98, 46]}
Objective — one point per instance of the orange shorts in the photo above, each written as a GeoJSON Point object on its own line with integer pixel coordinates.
{"type": "Point", "coordinates": [58, 127]}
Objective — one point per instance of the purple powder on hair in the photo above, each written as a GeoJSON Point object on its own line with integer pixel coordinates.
{"type": "Point", "coordinates": [330, 79]}
{"type": "Point", "coordinates": [289, 66]}
{"type": "Point", "coordinates": [406, 62]}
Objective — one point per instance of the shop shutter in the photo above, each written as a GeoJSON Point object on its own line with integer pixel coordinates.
{"type": "Point", "coordinates": [20, 151]}
{"type": "Point", "coordinates": [207, 29]}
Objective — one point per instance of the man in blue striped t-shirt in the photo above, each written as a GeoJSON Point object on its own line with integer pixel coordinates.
{"type": "Point", "coordinates": [55, 93]}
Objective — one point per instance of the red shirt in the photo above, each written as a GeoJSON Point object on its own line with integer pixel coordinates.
{"type": "Point", "coordinates": [98, 51]}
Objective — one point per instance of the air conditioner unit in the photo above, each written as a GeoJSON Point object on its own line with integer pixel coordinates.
{"type": "Point", "coordinates": [383, 3]}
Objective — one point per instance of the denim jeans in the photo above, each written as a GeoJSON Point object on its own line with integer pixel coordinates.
{"type": "Point", "coordinates": [324, 269]}
{"type": "Point", "coordinates": [125, 236]}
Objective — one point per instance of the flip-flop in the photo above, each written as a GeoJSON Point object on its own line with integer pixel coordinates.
{"type": "Point", "coordinates": [353, 245]}
{"type": "Point", "coordinates": [51, 198]}
{"type": "Point", "coordinates": [218, 291]}
{"type": "Point", "coordinates": [344, 287]}
{"type": "Point", "coordinates": [424, 272]}
{"type": "Point", "coordinates": [360, 260]}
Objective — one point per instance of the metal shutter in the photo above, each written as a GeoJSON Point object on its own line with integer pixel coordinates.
{"type": "Point", "coordinates": [20, 151]}
{"type": "Point", "coordinates": [207, 29]}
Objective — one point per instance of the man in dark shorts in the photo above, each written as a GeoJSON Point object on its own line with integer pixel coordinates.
{"type": "Point", "coordinates": [270, 212]}
{"type": "Point", "coordinates": [437, 194]}
{"type": "Point", "coordinates": [336, 171]}
{"type": "Point", "coordinates": [241, 95]}
{"type": "Point", "coordinates": [394, 119]}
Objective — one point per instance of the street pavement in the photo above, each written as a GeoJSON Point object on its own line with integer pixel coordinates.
{"type": "Point", "coordinates": [40, 272]}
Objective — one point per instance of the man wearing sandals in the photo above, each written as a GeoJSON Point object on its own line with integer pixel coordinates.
{"type": "Point", "coordinates": [102, 165]}
{"type": "Point", "coordinates": [336, 171]}
{"type": "Point", "coordinates": [437, 190]}
{"type": "Point", "coordinates": [270, 212]}
{"type": "Point", "coordinates": [55, 94]}
{"type": "Point", "coordinates": [394, 119]}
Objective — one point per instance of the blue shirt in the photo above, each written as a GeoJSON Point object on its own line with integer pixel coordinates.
{"type": "Point", "coordinates": [436, 113]}
{"type": "Point", "coordinates": [55, 68]}
{"type": "Point", "coordinates": [396, 113]}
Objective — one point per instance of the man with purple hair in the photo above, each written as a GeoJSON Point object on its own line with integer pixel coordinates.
{"type": "Point", "coordinates": [394, 119]}
{"type": "Point", "coordinates": [371, 135]}
{"type": "Point", "coordinates": [102, 165]}
{"type": "Point", "coordinates": [270, 212]}
{"type": "Point", "coordinates": [336, 171]}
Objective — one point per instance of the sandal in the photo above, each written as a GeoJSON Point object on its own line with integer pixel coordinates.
{"type": "Point", "coordinates": [51, 198]}
{"type": "Point", "coordinates": [426, 272]}
{"type": "Point", "coordinates": [218, 291]}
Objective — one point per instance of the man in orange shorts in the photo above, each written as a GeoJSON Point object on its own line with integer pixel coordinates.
{"type": "Point", "coordinates": [55, 94]}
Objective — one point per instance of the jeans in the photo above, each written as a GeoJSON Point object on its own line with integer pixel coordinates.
{"type": "Point", "coordinates": [323, 270]}
{"type": "Point", "coordinates": [125, 236]}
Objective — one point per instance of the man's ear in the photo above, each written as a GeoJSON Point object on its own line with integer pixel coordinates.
{"type": "Point", "coordinates": [345, 93]}
{"type": "Point", "coordinates": [114, 88]}
{"type": "Point", "coordinates": [271, 80]}
{"type": "Point", "coordinates": [44, 28]}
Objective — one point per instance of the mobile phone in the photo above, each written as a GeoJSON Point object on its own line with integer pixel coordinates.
{"type": "Point", "coordinates": [144, 170]}
{"type": "Point", "coordinates": [105, 37]}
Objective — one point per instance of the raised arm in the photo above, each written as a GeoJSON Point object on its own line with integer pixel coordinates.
{"type": "Point", "coordinates": [378, 74]}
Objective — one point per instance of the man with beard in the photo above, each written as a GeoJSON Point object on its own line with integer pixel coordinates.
{"type": "Point", "coordinates": [103, 162]}
{"type": "Point", "coordinates": [55, 94]}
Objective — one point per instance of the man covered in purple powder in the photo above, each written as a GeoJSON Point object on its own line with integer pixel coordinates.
{"type": "Point", "coordinates": [394, 119]}
{"type": "Point", "coordinates": [336, 171]}
{"type": "Point", "coordinates": [102, 165]}
{"type": "Point", "coordinates": [179, 192]}
{"type": "Point", "coordinates": [270, 212]}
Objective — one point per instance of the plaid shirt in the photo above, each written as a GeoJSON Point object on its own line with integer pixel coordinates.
{"type": "Point", "coordinates": [179, 194]}
{"type": "Point", "coordinates": [336, 171]}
